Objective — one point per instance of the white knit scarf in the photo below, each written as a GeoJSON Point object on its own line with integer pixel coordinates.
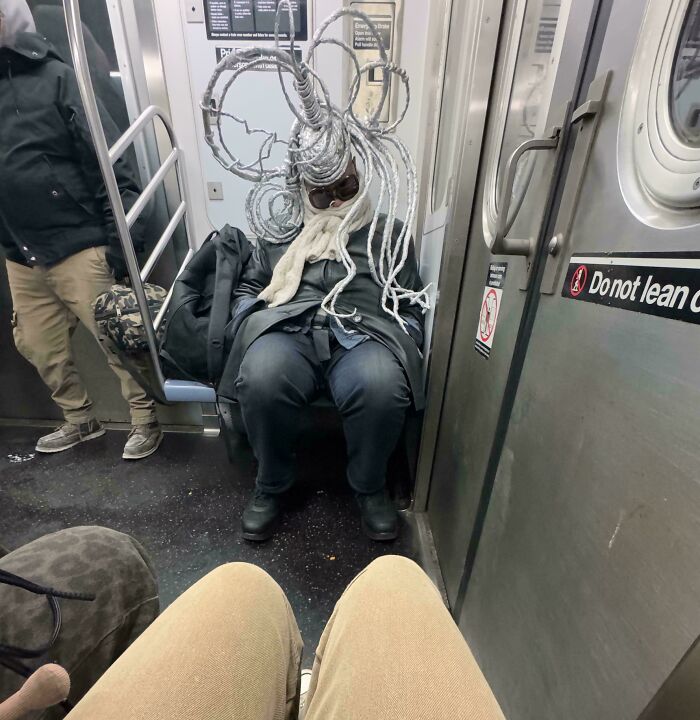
{"type": "Point", "coordinates": [320, 239]}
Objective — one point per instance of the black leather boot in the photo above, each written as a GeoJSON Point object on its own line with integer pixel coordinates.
{"type": "Point", "coordinates": [380, 520]}
{"type": "Point", "coordinates": [261, 516]}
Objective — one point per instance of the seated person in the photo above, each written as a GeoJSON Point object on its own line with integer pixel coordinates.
{"type": "Point", "coordinates": [94, 562]}
{"type": "Point", "coordinates": [287, 353]}
{"type": "Point", "coordinates": [230, 648]}
{"type": "Point", "coordinates": [333, 293]}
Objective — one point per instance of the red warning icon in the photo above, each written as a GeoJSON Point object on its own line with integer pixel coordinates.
{"type": "Point", "coordinates": [578, 280]}
{"type": "Point", "coordinates": [489, 313]}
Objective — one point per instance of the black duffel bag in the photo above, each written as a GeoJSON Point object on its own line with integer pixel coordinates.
{"type": "Point", "coordinates": [194, 335]}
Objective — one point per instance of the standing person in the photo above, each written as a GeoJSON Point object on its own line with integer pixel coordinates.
{"type": "Point", "coordinates": [57, 229]}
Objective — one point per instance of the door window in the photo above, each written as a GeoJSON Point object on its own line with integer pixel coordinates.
{"type": "Point", "coordinates": [659, 131]}
{"type": "Point", "coordinates": [523, 99]}
{"type": "Point", "coordinates": [684, 96]}
{"type": "Point", "coordinates": [527, 104]}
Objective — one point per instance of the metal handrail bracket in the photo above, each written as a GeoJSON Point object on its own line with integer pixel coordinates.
{"type": "Point", "coordinates": [106, 157]}
{"type": "Point", "coordinates": [147, 193]}
{"type": "Point", "coordinates": [162, 242]}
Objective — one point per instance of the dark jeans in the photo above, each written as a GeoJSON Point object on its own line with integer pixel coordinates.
{"type": "Point", "coordinates": [281, 373]}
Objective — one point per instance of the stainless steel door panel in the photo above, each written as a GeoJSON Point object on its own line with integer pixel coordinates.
{"type": "Point", "coordinates": [475, 386]}
{"type": "Point", "coordinates": [585, 592]}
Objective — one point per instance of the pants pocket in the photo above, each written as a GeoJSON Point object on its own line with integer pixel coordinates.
{"type": "Point", "coordinates": [17, 333]}
{"type": "Point", "coordinates": [100, 255]}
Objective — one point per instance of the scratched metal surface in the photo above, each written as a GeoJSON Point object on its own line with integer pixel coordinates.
{"type": "Point", "coordinates": [585, 592]}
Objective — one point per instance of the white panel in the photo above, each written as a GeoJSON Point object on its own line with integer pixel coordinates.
{"type": "Point", "coordinates": [183, 108]}
{"type": "Point", "coordinates": [189, 58]}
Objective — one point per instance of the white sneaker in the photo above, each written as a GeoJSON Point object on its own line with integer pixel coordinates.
{"type": "Point", "coordinates": [304, 686]}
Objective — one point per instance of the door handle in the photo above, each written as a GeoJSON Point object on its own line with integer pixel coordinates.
{"type": "Point", "coordinates": [502, 245]}
{"type": "Point", "coordinates": [587, 119]}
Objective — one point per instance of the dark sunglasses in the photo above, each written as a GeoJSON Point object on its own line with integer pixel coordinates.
{"type": "Point", "coordinates": [345, 189]}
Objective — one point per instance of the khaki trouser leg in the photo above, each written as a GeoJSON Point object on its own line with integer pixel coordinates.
{"type": "Point", "coordinates": [78, 280]}
{"type": "Point", "coordinates": [392, 651]}
{"type": "Point", "coordinates": [74, 283]}
{"type": "Point", "coordinates": [42, 331]}
{"type": "Point", "coordinates": [227, 649]}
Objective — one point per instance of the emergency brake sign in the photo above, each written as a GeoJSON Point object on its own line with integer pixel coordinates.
{"type": "Point", "coordinates": [490, 308]}
{"type": "Point", "coordinates": [666, 284]}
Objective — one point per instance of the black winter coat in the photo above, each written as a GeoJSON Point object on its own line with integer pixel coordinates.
{"type": "Point", "coordinates": [362, 295]}
{"type": "Point", "coordinates": [53, 202]}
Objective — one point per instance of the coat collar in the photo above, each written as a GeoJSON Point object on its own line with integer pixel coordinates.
{"type": "Point", "coordinates": [30, 46]}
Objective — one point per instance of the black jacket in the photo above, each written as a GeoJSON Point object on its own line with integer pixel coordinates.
{"type": "Point", "coordinates": [362, 295]}
{"type": "Point", "coordinates": [53, 202]}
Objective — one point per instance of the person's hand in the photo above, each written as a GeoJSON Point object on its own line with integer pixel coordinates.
{"type": "Point", "coordinates": [116, 262]}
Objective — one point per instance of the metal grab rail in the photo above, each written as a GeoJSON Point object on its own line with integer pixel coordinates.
{"type": "Point", "coordinates": [106, 158]}
{"type": "Point", "coordinates": [148, 192]}
{"type": "Point", "coordinates": [163, 242]}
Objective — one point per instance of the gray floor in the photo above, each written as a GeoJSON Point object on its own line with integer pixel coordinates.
{"type": "Point", "coordinates": [184, 504]}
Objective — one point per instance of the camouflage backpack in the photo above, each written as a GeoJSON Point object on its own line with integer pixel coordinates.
{"type": "Point", "coordinates": [118, 317]}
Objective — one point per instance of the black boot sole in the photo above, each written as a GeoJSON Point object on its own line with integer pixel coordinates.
{"type": "Point", "coordinates": [264, 535]}
{"type": "Point", "coordinates": [380, 537]}
{"type": "Point", "coordinates": [259, 537]}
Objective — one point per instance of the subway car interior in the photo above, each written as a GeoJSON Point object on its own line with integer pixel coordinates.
{"type": "Point", "coordinates": [314, 286]}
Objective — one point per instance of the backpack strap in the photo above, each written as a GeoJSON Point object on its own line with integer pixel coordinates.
{"type": "Point", "coordinates": [220, 311]}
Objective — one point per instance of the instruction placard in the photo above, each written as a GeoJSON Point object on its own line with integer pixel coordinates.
{"type": "Point", "coordinates": [364, 39]}
{"type": "Point", "coordinates": [366, 45]}
{"type": "Point", "coordinates": [252, 19]}
{"type": "Point", "coordinates": [222, 52]}
{"type": "Point", "coordinates": [666, 284]}
{"type": "Point", "coordinates": [490, 308]}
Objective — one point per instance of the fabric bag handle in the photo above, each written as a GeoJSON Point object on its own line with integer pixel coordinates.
{"type": "Point", "coordinates": [220, 310]}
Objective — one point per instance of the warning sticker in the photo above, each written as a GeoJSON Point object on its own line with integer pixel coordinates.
{"type": "Point", "coordinates": [490, 308]}
{"type": "Point", "coordinates": [665, 284]}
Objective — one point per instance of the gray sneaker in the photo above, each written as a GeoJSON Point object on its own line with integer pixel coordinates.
{"type": "Point", "coordinates": [143, 441]}
{"type": "Point", "coordinates": [304, 685]}
{"type": "Point", "coordinates": [69, 435]}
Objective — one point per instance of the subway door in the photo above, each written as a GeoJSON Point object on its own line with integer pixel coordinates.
{"type": "Point", "coordinates": [584, 595]}
{"type": "Point", "coordinates": [540, 50]}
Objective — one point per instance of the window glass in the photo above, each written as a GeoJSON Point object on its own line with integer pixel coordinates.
{"type": "Point", "coordinates": [528, 104]}
{"type": "Point", "coordinates": [685, 81]}
{"type": "Point", "coordinates": [99, 45]}
{"type": "Point", "coordinates": [448, 127]}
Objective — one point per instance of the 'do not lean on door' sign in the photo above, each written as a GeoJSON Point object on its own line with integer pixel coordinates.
{"type": "Point", "coordinates": [666, 284]}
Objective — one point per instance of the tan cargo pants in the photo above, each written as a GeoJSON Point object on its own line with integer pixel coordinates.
{"type": "Point", "coordinates": [229, 649]}
{"type": "Point", "coordinates": [48, 303]}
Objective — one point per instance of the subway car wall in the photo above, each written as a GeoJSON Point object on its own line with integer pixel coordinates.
{"type": "Point", "coordinates": [549, 487]}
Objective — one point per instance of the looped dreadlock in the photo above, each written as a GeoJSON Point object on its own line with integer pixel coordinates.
{"type": "Point", "coordinates": [323, 138]}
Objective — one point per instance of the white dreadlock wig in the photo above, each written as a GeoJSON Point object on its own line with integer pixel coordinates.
{"type": "Point", "coordinates": [323, 138]}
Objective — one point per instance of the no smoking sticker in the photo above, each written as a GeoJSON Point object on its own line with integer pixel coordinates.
{"type": "Point", "coordinates": [490, 308]}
